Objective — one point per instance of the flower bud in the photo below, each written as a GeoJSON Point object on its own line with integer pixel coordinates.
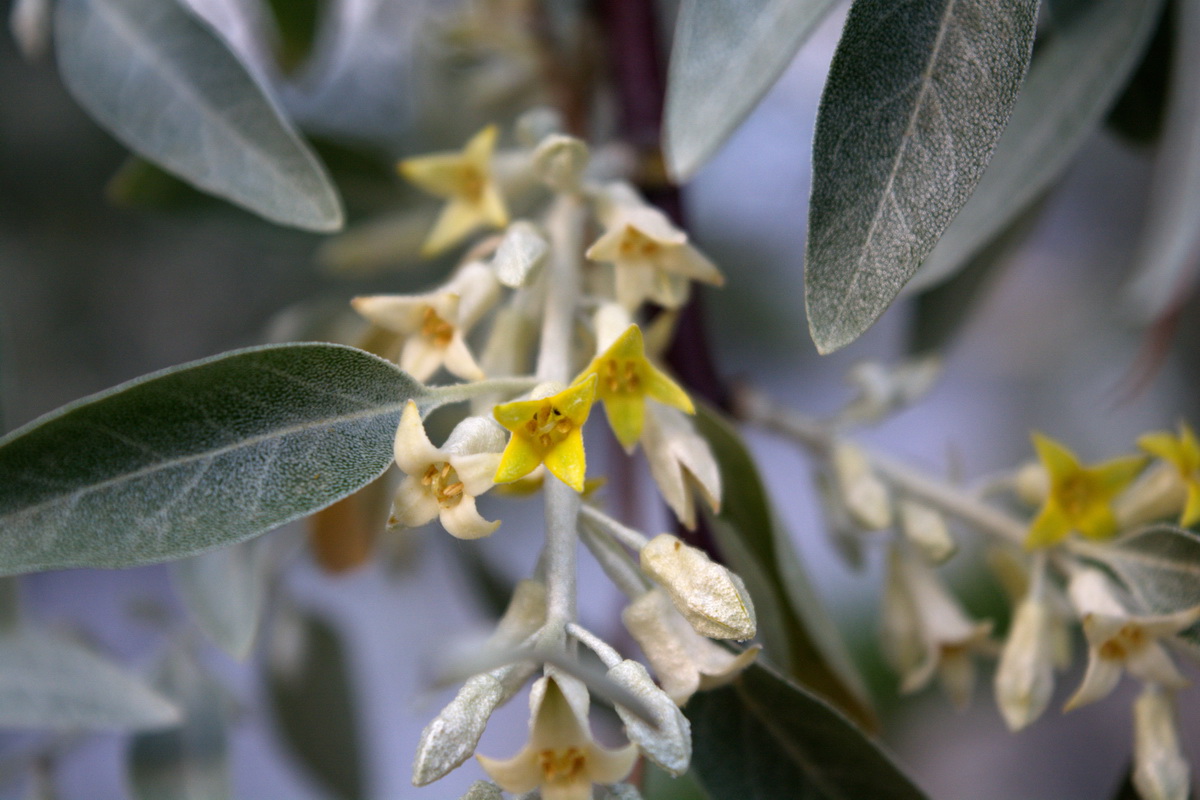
{"type": "Point", "coordinates": [559, 161]}
{"type": "Point", "coordinates": [865, 496]}
{"type": "Point", "coordinates": [1159, 494]}
{"type": "Point", "coordinates": [1025, 677]}
{"type": "Point", "coordinates": [709, 596]}
{"type": "Point", "coordinates": [1032, 484]}
{"type": "Point", "coordinates": [450, 738]}
{"type": "Point", "coordinates": [520, 256]}
{"type": "Point", "coordinates": [1160, 772]}
{"type": "Point", "coordinates": [669, 743]}
{"type": "Point", "coordinates": [926, 528]}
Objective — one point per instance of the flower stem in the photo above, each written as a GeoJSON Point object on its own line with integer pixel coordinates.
{"type": "Point", "coordinates": [615, 562]}
{"type": "Point", "coordinates": [458, 392]}
{"type": "Point", "coordinates": [627, 536]}
{"type": "Point", "coordinates": [756, 407]}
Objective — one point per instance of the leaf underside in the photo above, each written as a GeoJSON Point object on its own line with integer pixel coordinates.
{"type": "Point", "coordinates": [917, 96]}
{"type": "Point", "coordinates": [725, 55]}
{"type": "Point", "coordinates": [198, 456]}
{"type": "Point", "coordinates": [162, 82]}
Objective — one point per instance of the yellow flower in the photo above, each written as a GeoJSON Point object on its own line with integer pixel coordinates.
{"type": "Point", "coordinates": [1080, 498]}
{"type": "Point", "coordinates": [549, 431]}
{"type": "Point", "coordinates": [625, 378]}
{"type": "Point", "coordinates": [561, 758]}
{"type": "Point", "coordinates": [1184, 454]}
{"type": "Point", "coordinates": [465, 179]}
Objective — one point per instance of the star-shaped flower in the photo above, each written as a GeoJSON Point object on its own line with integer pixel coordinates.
{"type": "Point", "coordinates": [465, 180]}
{"type": "Point", "coordinates": [561, 759]}
{"type": "Point", "coordinates": [1183, 453]}
{"type": "Point", "coordinates": [435, 324]}
{"type": "Point", "coordinates": [1080, 498]}
{"type": "Point", "coordinates": [652, 257]}
{"type": "Point", "coordinates": [548, 430]}
{"type": "Point", "coordinates": [625, 379]}
{"type": "Point", "coordinates": [1118, 638]}
{"type": "Point", "coordinates": [444, 482]}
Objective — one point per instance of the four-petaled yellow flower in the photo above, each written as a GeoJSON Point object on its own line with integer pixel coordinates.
{"type": "Point", "coordinates": [560, 759]}
{"type": "Point", "coordinates": [465, 179]}
{"type": "Point", "coordinates": [1183, 453]}
{"type": "Point", "coordinates": [625, 378]}
{"type": "Point", "coordinates": [1080, 498]}
{"type": "Point", "coordinates": [549, 431]}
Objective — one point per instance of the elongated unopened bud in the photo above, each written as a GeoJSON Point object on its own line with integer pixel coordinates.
{"type": "Point", "coordinates": [1160, 493]}
{"type": "Point", "coordinates": [670, 746]}
{"type": "Point", "coordinates": [926, 528]}
{"type": "Point", "coordinates": [1025, 677]}
{"type": "Point", "coordinates": [559, 161]}
{"type": "Point", "coordinates": [1032, 484]}
{"type": "Point", "coordinates": [1160, 771]}
{"type": "Point", "coordinates": [450, 738]}
{"type": "Point", "coordinates": [864, 495]}
{"type": "Point", "coordinates": [709, 596]}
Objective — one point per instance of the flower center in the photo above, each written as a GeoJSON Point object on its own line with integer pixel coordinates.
{"type": "Point", "coordinates": [548, 426]}
{"type": "Point", "coordinates": [471, 183]}
{"type": "Point", "coordinates": [562, 766]}
{"type": "Point", "coordinates": [435, 328]}
{"type": "Point", "coordinates": [1126, 642]}
{"type": "Point", "coordinates": [621, 377]}
{"type": "Point", "coordinates": [635, 244]}
{"type": "Point", "coordinates": [1075, 495]}
{"type": "Point", "coordinates": [443, 484]}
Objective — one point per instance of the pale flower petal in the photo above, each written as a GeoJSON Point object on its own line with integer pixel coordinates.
{"type": "Point", "coordinates": [412, 449]}
{"type": "Point", "coordinates": [421, 357]}
{"type": "Point", "coordinates": [458, 359]}
{"type": "Point", "coordinates": [476, 471]}
{"type": "Point", "coordinates": [463, 521]}
{"type": "Point", "coordinates": [414, 505]}
{"type": "Point", "coordinates": [1160, 770]}
{"type": "Point", "coordinates": [1098, 682]}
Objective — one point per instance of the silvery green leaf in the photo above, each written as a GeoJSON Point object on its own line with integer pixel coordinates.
{"type": "Point", "coordinates": [917, 96]}
{"type": "Point", "coordinates": [793, 625]}
{"type": "Point", "coordinates": [1168, 255]}
{"type": "Point", "coordinates": [726, 55]}
{"type": "Point", "coordinates": [1160, 566]}
{"type": "Point", "coordinates": [50, 682]}
{"type": "Point", "coordinates": [224, 590]}
{"type": "Point", "coordinates": [189, 761]}
{"type": "Point", "coordinates": [1072, 83]}
{"type": "Point", "coordinates": [450, 738]}
{"type": "Point", "coordinates": [521, 254]}
{"type": "Point", "coordinates": [315, 709]}
{"type": "Point", "coordinates": [197, 456]}
{"type": "Point", "coordinates": [167, 86]}
{"type": "Point", "coordinates": [762, 734]}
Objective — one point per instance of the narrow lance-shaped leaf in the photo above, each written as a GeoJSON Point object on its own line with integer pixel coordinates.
{"type": "Point", "coordinates": [189, 761]}
{"type": "Point", "coordinates": [724, 58]}
{"type": "Point", "coordinates": [764, 738]}
{"type": "Point", "coordinates": [1168, 255]}
{"type": "Point", "coordinates": [197, 456]}
{"type": "Point", "coordinates": [1072, 84]}
{"type": "Point", "coordinates": [795, 626]}
{"type": "Point", "coordinates": [917, 96]}
{"type": "Point", "coordinates": [1161, 568]}
{"type": "Point", "coordinates": [164, 83]}
{"type": "Point", "coordinates": [50, 682]}
{"type": "Point", "coordinates": [225, 590]}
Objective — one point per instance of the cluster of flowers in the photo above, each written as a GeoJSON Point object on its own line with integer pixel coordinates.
{"type": "Point", "coordinates": [1063, 566]}
{"type": "Point", "coordinates": [570, 315]}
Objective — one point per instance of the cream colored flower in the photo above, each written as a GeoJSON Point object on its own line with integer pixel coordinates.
{"type": "Point", "coordinates": [1025, 676]}
{"type": "Point", "coordinates": [683, 660]}
{"type": "Point", "coordinates": [681, 462]}
{"type": "Point", "coordinates": [444, 482]}
{"type": "Point", "coordinates": [652, 257]}
{"type": "Point", "coordinates": [464, 179]}
{"type": "Point", "coordinates": [1120, 639]}
{"type": "Point", "coordinates": [561, 759]}
{"type": "Point", "coordinates": [1160, 771]}
{"type": "Point", "coordinates": [710, 597]}
{"type": "Point", "coordinates": [925, 630]}
{"type": "Point", "coordinates": [436, 323]}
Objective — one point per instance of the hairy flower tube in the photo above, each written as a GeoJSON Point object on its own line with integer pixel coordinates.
{"type": "Point", "coordinates": [444, 482]}
{"type": "Point", "coordinates": [560, 759]}
{"type": "Point", "coordinates": [548, 430]}
{"type": "Point", "coordinates": [435, 324]}
{"type": "Point", "coordinates": [624, 379]}
{"type": "Point", "coordinates": [464, 179]}
{"type": "Point", "coordinates": [1079, 498]}
{"type": "Point", "coordinates": [710, 597]}
{"type": "Point", "coordinates": [1183, 453]}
